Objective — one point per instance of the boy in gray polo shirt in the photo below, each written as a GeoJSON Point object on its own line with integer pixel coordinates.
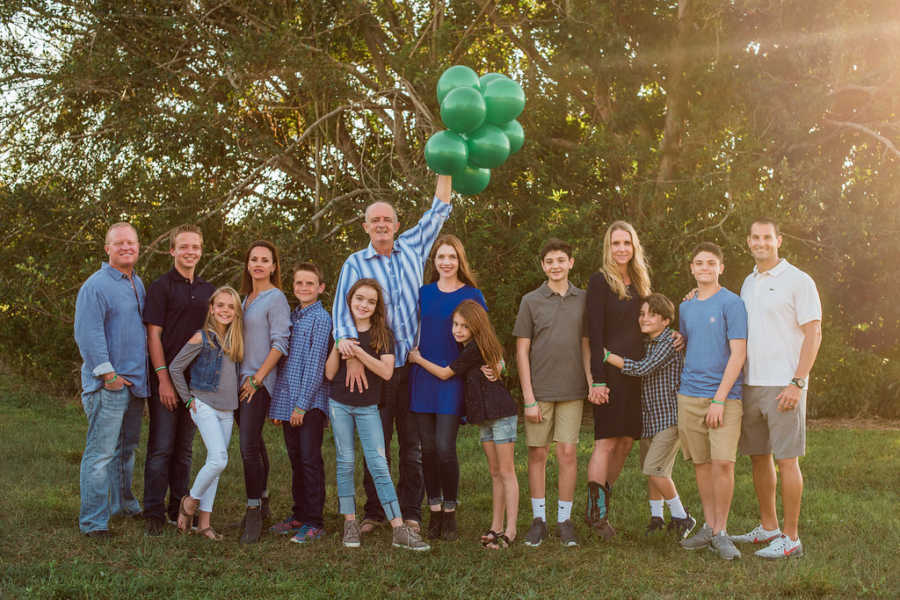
{"type": "Point", "coordinates": [553, 357]}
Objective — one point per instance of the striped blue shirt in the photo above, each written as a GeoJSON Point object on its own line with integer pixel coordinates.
{"type": "Point", "coordinates": [400, 276]}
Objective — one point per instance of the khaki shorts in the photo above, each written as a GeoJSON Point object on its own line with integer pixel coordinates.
{"type": "Point", "coordinates": [560, 423]}
{"type": "Point", "coordinates": [701, 444]}
{"type": "Point", "coordinates": [658, 453]}
{"type": "Point", "coordinates": [766, 430]}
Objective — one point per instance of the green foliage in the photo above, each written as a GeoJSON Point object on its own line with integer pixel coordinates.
{"type": "Point", "coordinates": [282, 120]}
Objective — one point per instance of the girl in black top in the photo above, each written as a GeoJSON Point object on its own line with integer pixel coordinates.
{"type": "Point", "coordinates": [489, 405]}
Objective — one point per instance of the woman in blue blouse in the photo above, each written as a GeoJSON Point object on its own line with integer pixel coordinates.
{"type": "Point", "coordinates": [267, 327]}
{"type": "Point", "coordinates": [437, 404]}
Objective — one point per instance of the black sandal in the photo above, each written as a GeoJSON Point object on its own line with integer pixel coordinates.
{"type": "Point", "coordinates": [500, 542]}
{"type": "Point", "coordinates": [489, 537]}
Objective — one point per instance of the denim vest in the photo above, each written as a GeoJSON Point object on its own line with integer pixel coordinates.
{"type": "Point", "coordinates": [206, 367]}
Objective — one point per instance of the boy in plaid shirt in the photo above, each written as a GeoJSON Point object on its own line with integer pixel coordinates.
{"type": "Point", "coordinates": [660, 372]}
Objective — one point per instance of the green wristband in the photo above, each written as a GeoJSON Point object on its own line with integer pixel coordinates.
{"type": "Point", "coordinates": [299, 411]}
{"type": "Point", "coordinates": [532, 405]}
{"type": "Point", "coordinates": [162, 368]}
{"type": "Point", "coordinates": [717, 402]}
{"type": "Point", "coordinates": [189, 401]}
{"type": "Point", "coordinates": [606, 355]}
{"type": "Point", "coordinates": [108, 381]}
{"type": "Point", "coordinates": [253, 383]}
{"type": "Point", "coordinates": [593, 385]}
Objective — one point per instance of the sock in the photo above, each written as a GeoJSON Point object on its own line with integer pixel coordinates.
{"type": "Point", "coordinates": [675, 507]}
{"type": "Point", "coordinates": [563, 511]}
{"type": "Point", "coordinates": [539, 508]}
{"type": "Point", "coordinates": [656, 508]}
{"type": "Point", "coordinates": [254, 503]}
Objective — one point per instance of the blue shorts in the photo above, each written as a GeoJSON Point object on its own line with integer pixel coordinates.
{"type": "Point", "coordinates": [499, 431]}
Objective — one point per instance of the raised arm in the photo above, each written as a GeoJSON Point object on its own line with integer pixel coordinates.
{"type": "Point", "coordinates": [438, 371]}
{"type": "Point", "coordinates": [658, 356]}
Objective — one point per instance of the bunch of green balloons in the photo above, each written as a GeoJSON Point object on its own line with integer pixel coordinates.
{"type": "Point", "coordinates": [482, 131]}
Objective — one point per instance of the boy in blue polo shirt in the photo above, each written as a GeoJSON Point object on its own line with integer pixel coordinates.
{"type": "Point", "coordinates": [714, 325]}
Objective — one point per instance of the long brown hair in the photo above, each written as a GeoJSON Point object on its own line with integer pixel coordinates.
{"type": "Point", "coordinates": [381, 335]}
{"type": "Point", "coordinates": [232, 340]}
{"type": "Point", "coordinates": [638, 270]}
{"type": "Point", "coordinates": [274, 277]}
{"type": "Point", "coordinates": [465, 273]}
{"type": "Point", "coordinates": [483, 332]}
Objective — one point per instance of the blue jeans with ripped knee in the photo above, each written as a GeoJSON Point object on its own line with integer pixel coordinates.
{"type": "Point", "coordinates": [367, 421]}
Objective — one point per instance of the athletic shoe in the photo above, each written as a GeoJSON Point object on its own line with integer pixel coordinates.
{"type": "Point", "coordinates": [566, 533]}
{"type": "Point", "coordinates": [308, 534]}
{"type": "Point", "coordinates": [656, 525]}
{"type": "Point", "coordinates": [781, 547]}
{"type": "Point", "coordinates": [405, 537]}
{"type": "Point", "coordinates": [722, 544]}
{"type": "Point", "coordinates": [757, 536]}
{"type": "Point", "coordinates": [288, 526]}
{"type": "Point", "coordinates": [351, 534]}
{"type": "Point", "coordinates": [537, 533]}
{"type": "Point", "coordinates": [682, 527]}
{"type": "Point", "coordinates": [699, 540]}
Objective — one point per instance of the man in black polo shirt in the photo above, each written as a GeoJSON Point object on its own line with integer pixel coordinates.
{"type": "Point", "coordinates": [175, 309]}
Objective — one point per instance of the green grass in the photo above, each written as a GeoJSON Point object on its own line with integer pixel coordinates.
{"type": "Point", "coordinates": [849, 525]}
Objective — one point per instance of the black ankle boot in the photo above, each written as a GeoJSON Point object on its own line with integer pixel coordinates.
{"type": "Point", "coordinates": [434, 524]}
{"type": "Point", "coordinates": [252, 526]}
{"type": "Point", "coordinates": [448, 527]}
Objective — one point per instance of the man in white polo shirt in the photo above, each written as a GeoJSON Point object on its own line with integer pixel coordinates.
{"type": "Point", "coordinates": [784, 332]}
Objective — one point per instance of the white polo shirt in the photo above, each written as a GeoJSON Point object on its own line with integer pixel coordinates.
{"type": "Point", "coordinates": [778, 302]}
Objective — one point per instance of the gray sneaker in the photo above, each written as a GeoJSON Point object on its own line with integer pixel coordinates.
{"type": "Point", "coordinates": [351, 534]}
{"type": "Point", "coordinates": [537, 533]}
{"type": "Point", "coordinates": [699, 540]}
{"type": "Point", "coordinates": [566, 533]}
{"type": "Point", "coordinates": [722, 544]}
{"type": "Point", "coordinates": [405, 537]}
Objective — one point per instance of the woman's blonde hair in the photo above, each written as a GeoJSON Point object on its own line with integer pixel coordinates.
{"type": "Point", "coordinates": [464, 272]}
{"type": "Point", "coordinates": [483, 333]}
{"type": "Point", "coordinates": [232, 339]}
{"type": "Point", "coordinates": [638, 270]}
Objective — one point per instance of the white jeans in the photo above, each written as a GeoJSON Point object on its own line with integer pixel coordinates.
{"type": "Point", "coordinates": [215, 429]}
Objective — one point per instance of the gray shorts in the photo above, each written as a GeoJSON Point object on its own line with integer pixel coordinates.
{"type": "Point", "coordinates": [499, 431]}
{"type": "Point", "coordinates": [766, 430]}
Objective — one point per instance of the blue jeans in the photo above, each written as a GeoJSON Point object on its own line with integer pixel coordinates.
{"type": "Point", "coordinates": [168, 464]}
{"type": "Point", "coordinates": [367, 421]}
{"type": "Point", "coordinates": [107, 465]}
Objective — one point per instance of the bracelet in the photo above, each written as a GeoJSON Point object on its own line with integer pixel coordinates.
{"type": "Point", "coordinates": [606, 354]}
{"type": "Point", "coordinates": [108, 381]}
{"type": "Point", "coordinates": [299, 411]}
{"type": "Point", "coordinates": [188, 403]}
{"type": "Point", "coordinates": [532, 405]}
{"type": "Point", "coordinates": [593, 385]}
{"type": "Point", "coordinates": [718, 402]}
{"type": "Point", "coordinates": [253, 383]}
{"type": "Point", "coordinates": [162, 368]}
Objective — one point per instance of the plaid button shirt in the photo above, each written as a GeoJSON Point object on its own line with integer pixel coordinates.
{"type": "Point", "coordinates": [660, 373]}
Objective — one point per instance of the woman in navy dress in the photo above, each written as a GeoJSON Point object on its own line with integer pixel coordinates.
{"type": "Point", "coordinates": [437, 404]}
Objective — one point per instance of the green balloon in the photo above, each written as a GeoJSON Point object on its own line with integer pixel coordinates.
{"type": "Point", "coordinates": [454, 77]}
{"type": "Point", "coordinates": [515, 134]}
{"type": "Point", "coordinates": [446, 153]}
{"type": "Point", "coordinates": [488, 147]}
{"type": "Point", "coordinates": [463, 110]}
{"type": "Point", "coordinates": [504, 99]}
{"type": "Point", "coordinates": [471, 181]}
{"type": "Point", "coordinates": [489, 77]}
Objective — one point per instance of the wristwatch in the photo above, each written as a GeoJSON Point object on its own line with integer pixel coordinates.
{"type": "Point", "coordinates": [800, 383]}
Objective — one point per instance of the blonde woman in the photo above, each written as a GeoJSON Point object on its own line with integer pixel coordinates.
{"type": "Point", "coordinates": [613, 306]}
{"type": "Point", "coordinates": [212, 357]}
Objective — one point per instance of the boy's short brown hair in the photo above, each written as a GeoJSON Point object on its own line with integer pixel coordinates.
{"type": "Point", "coordinates": [708, 247]}
{"type": "Point", "coordinates": [309, 267]}
{"type": "Point", "coordinates": [176, 231]}
{"type": "Point", "coordinates": [658, 304]}
{"type": "Point", "coordinates": [554, 244]}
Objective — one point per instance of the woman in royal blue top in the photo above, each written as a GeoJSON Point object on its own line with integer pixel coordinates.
{"type": "Point", "coordinates": [437, 404]}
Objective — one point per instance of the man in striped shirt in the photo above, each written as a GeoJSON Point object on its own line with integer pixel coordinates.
{"type": "Point", "coordinates": [398, 266]}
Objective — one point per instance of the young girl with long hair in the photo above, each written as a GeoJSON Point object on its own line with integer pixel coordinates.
{"type": "Point", "coordinates": [267, 328]}
{"type": "Point", "coordinates": [212, 357]}
{"type": "Point", "coordinates": [489, 405]}
{"type": "Point", "coordinates": [438, 404]}
{"type": "Point", "coordinates": [358, 409]}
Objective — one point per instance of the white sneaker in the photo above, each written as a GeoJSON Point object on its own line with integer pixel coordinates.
{"type": "Point", "coordinates": [782, 547]}
{"type": "Point", "coordinates": [757, 536]}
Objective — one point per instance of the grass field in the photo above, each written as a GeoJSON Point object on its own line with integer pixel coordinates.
{"type": "Point", "coordinates": [849, 527]}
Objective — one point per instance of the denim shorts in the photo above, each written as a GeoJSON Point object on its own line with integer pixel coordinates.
{"type": "Point", "coordinates": [499, 431]}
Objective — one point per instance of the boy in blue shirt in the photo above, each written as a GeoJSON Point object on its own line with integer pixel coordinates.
{"type": "Point", "coordinates": [714, 325]}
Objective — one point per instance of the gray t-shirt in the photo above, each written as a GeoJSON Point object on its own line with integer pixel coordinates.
{"type": "Point", "coordinates": [226, 395]}
{"type": "Point", "coordinates": [555, 325]}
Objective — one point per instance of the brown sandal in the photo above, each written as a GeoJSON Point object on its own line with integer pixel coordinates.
{"type": "Point", "coordinates": [189, 517]}
{"type": "Point", "coordinates": [206, 531]}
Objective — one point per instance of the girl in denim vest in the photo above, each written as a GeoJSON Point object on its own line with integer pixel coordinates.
{"type": "Point", "coordinates": [211, 357]}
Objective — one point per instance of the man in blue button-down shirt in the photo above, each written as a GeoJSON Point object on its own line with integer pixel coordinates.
{"type": "Point", "coordinates": [112, 341]}
{"type": "Point", "coordinates": [398, 266]}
